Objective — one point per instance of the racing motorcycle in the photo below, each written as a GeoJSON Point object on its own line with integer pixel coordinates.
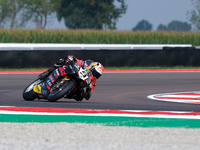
{"type": "Point", "coordinates": [68, 78]}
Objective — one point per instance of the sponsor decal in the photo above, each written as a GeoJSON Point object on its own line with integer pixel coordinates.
{"type": "Point", "coordinates": [51, 79]}
{"type": "Point", "coordinates": [48, 87]}
{"type": "Point", "coordinates": [49, 83]}
{"type": "Point", "coordinates": [180, 97]}
{"type": "Point", "coordinates": [56, 73]}
{"type": "Point", "coordinates": [62, 70]}
{"type": "Point", "coordinates": [87, 68]}
{"type": "Point", "coordinates": [77, 66]}
{"type": "Point", "coordinates": [70, 66]}
{"type": "Point", "coordinates": [43, 89]}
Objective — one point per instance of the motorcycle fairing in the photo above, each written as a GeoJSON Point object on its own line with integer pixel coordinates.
{"type": "Point", "coordinates": [57, 73]}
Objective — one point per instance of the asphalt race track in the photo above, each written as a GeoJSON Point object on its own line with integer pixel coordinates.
{"type": "Point", "coordinates": [123, 91]}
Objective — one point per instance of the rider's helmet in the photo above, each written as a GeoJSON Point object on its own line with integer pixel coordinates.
{"type": "Point", "coordinates": [97, 69]}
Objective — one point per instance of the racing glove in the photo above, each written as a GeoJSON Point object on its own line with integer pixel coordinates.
{"type": "Point", "coordinates": [88, 93]}
{"type": "Point", "coordinates": [60, 63]}
{"type": "Point", "coordinates": [71, 59]}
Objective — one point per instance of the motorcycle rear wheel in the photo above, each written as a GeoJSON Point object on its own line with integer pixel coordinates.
{"type": "Point", "coordinates": [61, 91]}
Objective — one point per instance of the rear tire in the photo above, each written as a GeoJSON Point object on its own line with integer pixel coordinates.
{"type": "Point", "coordinates": [28, 93]}
{"type": "Point", "coordinates": [60, 92]}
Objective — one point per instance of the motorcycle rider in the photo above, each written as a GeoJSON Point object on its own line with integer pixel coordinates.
{"type": "Point", "coordinates": [95, 70]}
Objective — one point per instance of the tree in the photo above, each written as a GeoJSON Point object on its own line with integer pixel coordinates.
{"type": "Point", "coordinates": [9, 10]}
{"type": "Point", "coordinates": [15, 8]}
{"type": "Point", "coordinates": [143, 25]}
{"type": "Point", "coordinates": [18, 12]}
{"type": "Point", "coordinates": [194, 15]}
{"type": "Point", "coordinates": [179, 26]}
{"type": "Point", "coordinates": [4, 11]}
{"type": "Point", "coordinates": [162, 27]}
{"type": "Point", "coordinates": [175, 26]}
{"type": "Point", "coordinates": [90, 14]}
{"type": "Point", "coordinates": [39, 10]}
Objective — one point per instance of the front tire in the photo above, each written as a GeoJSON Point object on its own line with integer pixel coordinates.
{"type": "Point", "coordinates": [28, 93]}
{"type": "Point", "coordinates": [61, 91]}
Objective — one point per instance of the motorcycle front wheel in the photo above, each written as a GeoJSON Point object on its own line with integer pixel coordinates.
{"type": "Point", "coordinates": [28, 93]}
{"type": "Point", "coordinates": [61, 91]}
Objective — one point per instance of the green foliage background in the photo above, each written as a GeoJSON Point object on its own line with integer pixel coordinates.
{"type": "Point", "coordinates": [98, 37]}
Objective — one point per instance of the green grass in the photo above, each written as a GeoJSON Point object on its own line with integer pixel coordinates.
{"type": "Point", "coordinates": [109, 68]}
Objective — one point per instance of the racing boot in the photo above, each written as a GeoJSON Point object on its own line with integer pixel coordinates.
{"type": "Point", "coordinates": [43, 75]}
{"type": "Point", "coordinates": [41, 89]}
{"type": "Point", "coordinates": [46, 73]}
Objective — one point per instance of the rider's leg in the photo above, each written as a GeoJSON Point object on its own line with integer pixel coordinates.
{"type": "Point", "coordinates": [46, 73]}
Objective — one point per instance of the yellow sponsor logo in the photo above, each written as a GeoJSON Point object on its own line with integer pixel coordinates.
{"type": "Point", "coordinates": [37, 89]}
{"type": "Point", "coordinates": [65, 78]}
{"type": "Point", "coordinates": [88, 69]}
{"type": "Point", "coordinates": [94, 63]}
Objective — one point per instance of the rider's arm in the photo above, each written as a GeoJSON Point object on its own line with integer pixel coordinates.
{"type": "Point", "coordinates": [65, 61]}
